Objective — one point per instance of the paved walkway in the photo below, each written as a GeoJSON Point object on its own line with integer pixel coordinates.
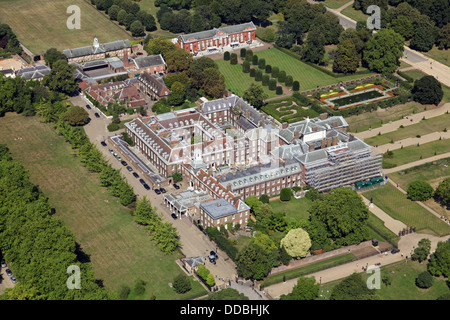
{"type": "Point", "coordinates": [434, 136]}
{"type": "Point", "coordinates": [417, 163]}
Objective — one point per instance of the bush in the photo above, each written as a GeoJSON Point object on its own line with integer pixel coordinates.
{"type": "Point", "coordinates": [252, 72]}
{"type": "Point", "coordinates": [420, 191]}
{"type": "Point", "coordinates": [285, 194]}
{"type": "Point", "coordinates": [272, 84]}
{"type": "Point", "coordinates": [265, 80]}
{"type": "Point", "coordinates": [258, 75]}
{"type": "Point", "coordinates": [124, 292]}
{"type": "Point", "coordinates": [246, 67]}
{"type": "Point", "coordinates": [264, 198]}
{"type": "Point", "coordinates": [226, 55]}
{"type": "Point", "coordinates": [113, 127]}
{"type": "Point", "coordinates": [424, 280]}
{"type": "Point", "coordinates": [181, 283]}
{"type": "Point", "coordinates": [139, 287]}
{"type": "Point", "coordinates": [243, 52]}
{"type": "Point", "coordinates": [233, 58]}
{"type": "Point", "coordinates": [275, 72]}
{"type": "Point", "coordinates": [289, 81]}
{"type": "Point", "coordinates": [268, 68]}
{"type": "Point", "coordinates": [249, 55]}
{"type": "Point", "coordinates": [255, 60]}
{"type": "Point", "coordinates": [295, 86]}
{"type": "Point", "coordinates": [262, 63]}
{"type": "Point", "coordinates": [279, 90]}
{"type": "Point", "coordinates": [427, 90]}
{"type": "Point", "coordinates": [282, 76]}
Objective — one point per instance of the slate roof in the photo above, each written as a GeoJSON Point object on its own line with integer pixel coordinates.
{"type": "Point", "coordinates": [218, 208]}
{"type": "Point", "coordinates": [31, 73]}
{"type": "Point", "coordinates": [208, 34]}
{"type": "Point", "coordinates": [149, 61]}
{"type": "Point", "coordinates": [101, 48]}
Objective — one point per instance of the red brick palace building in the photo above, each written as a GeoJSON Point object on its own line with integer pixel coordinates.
{"type": "Point", "coordinates": [217, 38]}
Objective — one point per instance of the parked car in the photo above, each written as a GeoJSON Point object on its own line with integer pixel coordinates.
{"type": "Point", "coordinates": [162, 190]}
{"type": "Point", "coordinates": [111, 150]}
{"type": "Point", "coordinates": [129, 168]}
{"type": "Point", "coordinates": [135, 175]}
{"type": "Point", "coordinates": [96, 115]}
{"type": "Point", "coordinates": [142, 181]}
{"type": "Point", "coordinates": [176, 186]}
{"type": "Point", "coordinates": [212, 257]}
{"type": "Point", "coordinates": [3, 264]}
{"type": "Point", "coordinates": [146, 186]}
{"type": "Point", "coordinates": [124, 163]}
{"type": "Point", "coordinates": [119, 158]}
{"type": "Point", "coordinates": [88, 106]}
{"type": "Point", "coordinates": [157, 191]}
{"type": "Point", "coordinates": [13, 279]}
{"type": "Point", "coordinates": [394, 251]}
{"type": "Point", "coordinates": [174, 216]}
{"type": "Point", "coordinates": [103, 143]}
{"type": "Point", "coordinates": [8, 272]}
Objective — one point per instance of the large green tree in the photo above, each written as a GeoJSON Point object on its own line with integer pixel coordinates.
{"type": "Point", "coordinates": [383, 51]}
{"type": "Point", "coordinates": [60, 78]}
{"type": "Point", "coordinates": [442, 192]}
{"type": "Point", "coordinates": [346, 59]}
{"type": "Point", "coordinates": [352, 288]}
{"type": "Point", "coordinates": [306, 288]}
{"type": "Point", "coordinates": [255, 95]}
{"type": "Point", "coordinates": [420, 191]}
{"type": "Point", "coordinates": [439, 264]}
{"type": "Point", "coordinates": [297, 243]}
{"type": "Point", "coordinates": [427, 90]}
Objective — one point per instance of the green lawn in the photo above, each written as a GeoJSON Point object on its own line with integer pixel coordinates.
{"type": "Point", "coordinates": [442, 56]}
{"type": "Point", "coordinates": [395, 203]}
{"type": "Point", "coordinates": [236, 81]}
{"type": "Point", "coordinates": [40, 25]}
{"type": "Point", "coordinates": [335, 4]}
{"type": "Point", "coordinates": [374, 119]}
{"type": "Point", "coordinates": [436, 124]}
{"type": "Point", "coordinates": [356, 15]}
{"type": "Point", "coordinates": [402, 276]}
{"type": "Point", "coordinates": [415, 153]}
{"type": "Point", "coordinates": [120, 250]}
{"type": "Point", "coordinates": [295, 209]}
{"type": "Point", "coordinates": [308, 77]}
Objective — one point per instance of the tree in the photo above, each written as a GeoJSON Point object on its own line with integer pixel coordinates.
{"type": "Point", "coordinates": [295, 86]}
{"type": "Point", "coordinates": [76, 116]}
{"type": "Point", "coordinates": [226, 55]}
{"type": "Point", "coordinates": [52, 55]}
{"type": "Point", "coordinates": [289, 81]}
{"type": "Point", "coordinates": [254, 60]}
{"type": "Point", "coordinates": [113, 12]}
{"type": "Point", "coordinates": [264, 198]}
{"type": "Point", "coordinates": [340, 216]}
{"type": "Point", "coordinates": [139, 287]}
{"type": "Point", "coordinates": [214, 83]}
{"type": "Point", "coordinates": [383, 51]}
{"type": "Point", "coordinates": [424, 280]}
{"type": "Point", "coordinates": [439, 264]}
{"type": "Point", "coordinates": [313, 50]}
{"type": "Point", "coordinates": [352, 288]}
{"type": "Point", "coordinates": [305, 289]}
{"type": "Point", "coordinates": [252, 262]}
{"type": "Point", "coordinates": [403, 26]}
{"type": "Point", "coordinates": [285, 194]}
{"type": "Point", "coordinates": [284, 257]}
{"type": "Point", "coordinates": [275, 72]}
{"type": "Point", "coordinates": [181, 283]}
{"type": "Point", "coordinates": [296, 243]}
{"type": "Point", "coordinates": [159, 46]}
{"type": "Point", "coordinates": [424, 37]}
{"type": "Point", "coordinates": [178, 60]}
{"type": "Point", "coordinates": [121, 17]}
{"type": "Point", "coordinates": [246, 67]}
{"type": "Point", "coordinates": [346, 59]}
{"type": "Point", "coordinates": [443, 38]}
{"type": "Point", "coordinates": [282, 76]}
{"type": "Point", "coordinates": [177, 94]}
{"type": "Point", "coordinates": [227, 294]}
{"type": "Point", "coordinates": [61, 78]}
{"type": "Point", "coordinates": [422, 251]}
{"type": "Point", "coordinates": [254, 95]}
{"type": "Point", "coordinates": [442, 193]}
{"type": "Point", "coordinates": [427, 90]}
{"type": "Point", "coordinates": [233, 58]}
{"type": "Point", "coordinates": [136, 28]}
{"type": "Point", "coordinates": [420, 191]}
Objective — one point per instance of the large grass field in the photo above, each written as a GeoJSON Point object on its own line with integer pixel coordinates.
{"type": "Point", "coordinates": [295, 209]}
{"type": "Point", "coordinates": [335, 4]}
{"type": "Point", "coordinates": [236, 81]}
{"type": "Point", "coordinates": [120, 250]}
{"type": "Point", "coordinates": [395, 203]}
{"type": "Point", "coordinates": [308, 77]}
{"type": "Point", "coordinates": [436, 124]}
{"type": "Point", "coordinates": [40, 25]}
{"type": "Point", "coordinates": [402, 277]}
{"type": "Point", "coordinates": [415, 153]}
{"type": "Point", "coordinates": [442, 56]}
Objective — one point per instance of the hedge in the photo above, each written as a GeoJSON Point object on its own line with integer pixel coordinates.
{"type": "Point", "coordinates": [222, 242]}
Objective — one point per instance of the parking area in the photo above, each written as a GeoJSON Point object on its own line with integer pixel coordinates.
{"type": "Point", "coordinates": [5, 277]}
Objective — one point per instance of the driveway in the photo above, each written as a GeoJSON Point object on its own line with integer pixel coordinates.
{"type": "Point", "coordinates": [6, 282]}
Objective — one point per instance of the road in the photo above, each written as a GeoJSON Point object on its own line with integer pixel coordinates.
{"type": "Point", "coordinates": [193, 241]}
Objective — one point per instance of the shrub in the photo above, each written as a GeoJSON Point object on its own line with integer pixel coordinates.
{"type": "Point", "coordinates": [282, 76]}
{"type": "Point", "coordinates": [255, 60]}
{"type": "Point", "coordinates": [420, 191]}
{"type": "Point", "coordinates": [279, 90]}
{"type": "Point", "coordinates": [258, 75]}
{"type": "Point", "coordinates": [226, 56]}
{"type": "Point", "coordinates": [272, 84]}
{"type": "Point", "coordinates": [262, 63]}
{"type": "Point", "coordinates": [295, 86]}
{"type": "Point", "coordinates": [139, 287]}
{"type": "Point", "coordinates": [249, 55]}
{"type": "Point", "coordinates": [424, 280]}
{"type": "Point", "coordinates": [275, 72]}
{"type": "Point", "coordinates": [264, 198]}
{"type": "Point", "coordinates": [246, 67]}
{"type": "Point", "coordinates": [124, 292]}
{"type": "Point", "coordinates": [268, 68]}
{"type": "Point", "coordinates": [285, 194]}
{"type": "Point", "coordinates": [243, 52]}
{"type": "Point", "coordinates": [181, 283]}
{"type": "Point", "coordinates": [113, 127]}
{"type": "Point", "coordinates": [233, 58]}
{"type": "Point", "coordinates": [252, 72]}
{"type": "Point", "coordinates": [265, 80]}
{"type": "Point", "coordinates": [289, 81]}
